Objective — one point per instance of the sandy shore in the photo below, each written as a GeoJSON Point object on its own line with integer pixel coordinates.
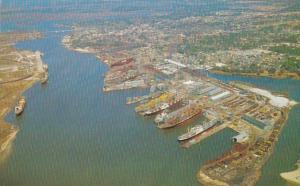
{"type": "Point", "coordinates": [13, 83]}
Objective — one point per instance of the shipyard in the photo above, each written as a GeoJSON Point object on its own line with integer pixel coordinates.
{"type": "Point", "coordinates": [255, 114]}
{"type": "Point", "coordinates": [175, 65]}
{"type": "Point", "coordinates": [181, 93]}
{"type": "Point", "coordinates": [186, 94]}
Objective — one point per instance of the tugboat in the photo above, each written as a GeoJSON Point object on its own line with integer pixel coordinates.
{"type": "Point", "coordinates": [19, 108]}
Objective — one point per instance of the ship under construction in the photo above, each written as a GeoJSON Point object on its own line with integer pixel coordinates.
{"type": "Point", "coordinates": [181, 115]}
{"type": "Point", "coordinates": [163, 106]}
{"type": "Point", "coordinates": [155, 103]}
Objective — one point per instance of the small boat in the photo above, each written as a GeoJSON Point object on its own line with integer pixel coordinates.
{"type": "Point", "coordinates": [19, 108]}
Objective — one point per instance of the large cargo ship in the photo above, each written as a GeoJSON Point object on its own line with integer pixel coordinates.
{"type": "Point", "coordinates": [181, 115]}
{"type": "Point", "coordinates": [198, 129]}
{"type": "Point", "coordinates": [132, 100]}
{"type": "Point", "coordinates": [163, 106]}
{"type": "Point", "coordinates": [122, 62]}
{"type": "Point", "coordinates": [153, 103]}
{"type": "Point", "coordinates": [19, 108]}
{"type": "Point", "coordinates": [156, 110]}
{"type": "Point", "coordinates": [160, 117]}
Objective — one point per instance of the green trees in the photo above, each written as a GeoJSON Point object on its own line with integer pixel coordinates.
{"type": "Point", "coordinates": [292, 65]}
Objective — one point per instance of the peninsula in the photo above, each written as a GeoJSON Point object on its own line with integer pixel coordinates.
{"type": "Point", "coordinates": [19, 70]}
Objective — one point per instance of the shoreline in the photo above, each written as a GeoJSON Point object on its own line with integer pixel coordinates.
{"type": "Point", "coordinates": [123, 85]}
{"type": "Point", "coordinates": [10, 129]}
{"type": "Point", "coordinates": [9, 139]}
{"type": "Point", "coordinates": [15, 83]}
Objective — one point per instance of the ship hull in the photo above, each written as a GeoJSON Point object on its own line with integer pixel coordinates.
{"type": "Point", "coordinates": [20, 106]}
{"type": "Point", "coordinates": [167, 126]}
{"type": "Point", "coordinates": [18, 113]}
{"type": "Point", "coordinates": [197, 134]}
{"type": "Point", "coordinates": [159, 110]}
{"type": "Point", "coordinates": [152, 112]}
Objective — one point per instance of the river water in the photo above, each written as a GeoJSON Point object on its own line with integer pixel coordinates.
{"type": "Point", "coordinates": [72, 133]}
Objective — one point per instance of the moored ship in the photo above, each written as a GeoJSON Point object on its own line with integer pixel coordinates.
{"type": "Point", "coordinates": [137, 99]}
{"type": "Point", "coordinates": [163, 106]}
{"type": "Point", "coordinates": [132, 100]}
{"type": "Point", "coordinates": [122, 62]}
{"type": "Point", "coordinates": [156, 110]}
{"type": "Point", "coordinates": [19, 108]}
{"type": "Point", "coordinates": [155, 102]}
{"type": "Point", "coordinates": [160, 117]}
{"type": "Point", "coordinates": [198, 129]}
{"type": "Point", "coordinates": [181, 115]}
